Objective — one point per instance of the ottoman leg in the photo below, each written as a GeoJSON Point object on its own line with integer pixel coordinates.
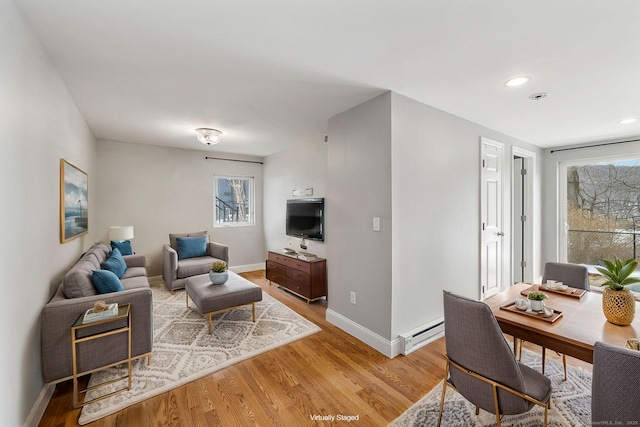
{"type": "Point", "coordinates": [209, 323]}
{"type": "Point", "coordinates": [253, 311]}
{"type": "Point", "coordinates": [187, 295]}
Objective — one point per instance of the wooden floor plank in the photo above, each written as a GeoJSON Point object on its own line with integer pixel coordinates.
{"type": "Point", "coordinates": [328, 373]}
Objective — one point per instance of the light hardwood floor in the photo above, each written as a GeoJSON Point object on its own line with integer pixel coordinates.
{"type": "Point", "coordinates": [328, 373]}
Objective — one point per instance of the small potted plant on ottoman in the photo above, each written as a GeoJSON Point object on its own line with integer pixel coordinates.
{"type": "Point", "coordinates": [535, 300]}
{"type": "Point", "coordinates": [218, 274]}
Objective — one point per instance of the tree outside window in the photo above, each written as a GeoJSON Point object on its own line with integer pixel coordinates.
{"type": "Point", "coordinates": [603, 211]}
{"type": "Point", "coordinates": [233, 201]}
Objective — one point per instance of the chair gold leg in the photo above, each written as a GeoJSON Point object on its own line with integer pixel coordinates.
{"type": "Point", "coordinates": [477, 410]}
{"type": "Point", "coordinates": [564, 363]}
{"type": "Point", "coordinates": [520, 344]}
{"type": "Point", "coordinates": [546, 412]}
{"type": "Point", "coordinates": [495, 404]}
{"type": "Point", "coordinates": [444, 390]}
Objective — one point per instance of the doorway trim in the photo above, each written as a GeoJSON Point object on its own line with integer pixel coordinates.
{"type": "Point", "coordinates": [532, 223]}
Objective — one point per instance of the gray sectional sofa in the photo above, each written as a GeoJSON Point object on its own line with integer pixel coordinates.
{"type": "Point", "coordinates": [74, 296]}
{"type": "Point", "coordinates": [175, 270]}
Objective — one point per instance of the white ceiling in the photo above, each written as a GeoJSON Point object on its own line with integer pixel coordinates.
{"type": "Point", "coordinates": [269, 73]}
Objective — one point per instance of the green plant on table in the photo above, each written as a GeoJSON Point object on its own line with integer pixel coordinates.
{"type": "Point", "coordinates": [537, 296]}
{"type": "Point", "coordinates": [218, 267]}
{"type": "Point", "coordinates": [617, 272]}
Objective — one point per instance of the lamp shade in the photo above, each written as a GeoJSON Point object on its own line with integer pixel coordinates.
{"type": "Point", "coordinates": [119, 233]}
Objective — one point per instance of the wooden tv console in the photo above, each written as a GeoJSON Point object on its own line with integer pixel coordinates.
{"type": "Point", "coordinates": [307, 279]}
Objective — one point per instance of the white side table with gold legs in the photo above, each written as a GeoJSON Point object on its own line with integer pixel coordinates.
{"type": "Point", "coordinates": [124, 313]}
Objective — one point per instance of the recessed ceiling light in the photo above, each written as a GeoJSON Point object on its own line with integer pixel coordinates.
{"type": "Point", "coordinates": [628, 121]}
{"type": "Point", "coordinates": [538, 96]}
{"type": "Point", "coordinates": [516, 81]}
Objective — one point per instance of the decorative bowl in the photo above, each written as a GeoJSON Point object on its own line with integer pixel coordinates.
{"type": "Point", "coordinates": [556, 286]}
{"type": "Point", "coordinates": [521, 304]}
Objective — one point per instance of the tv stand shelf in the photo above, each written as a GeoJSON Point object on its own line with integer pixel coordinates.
{"type": "Point", "coordinates": [307, 279]}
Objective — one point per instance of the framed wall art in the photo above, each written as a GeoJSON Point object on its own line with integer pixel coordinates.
{"type": "Point", "coordinates": [74, 208]}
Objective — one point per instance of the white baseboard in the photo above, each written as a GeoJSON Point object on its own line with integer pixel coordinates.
{"type": "Point", "coordinates": [37, 411]}
{"type": "Point", "coordinates": [389, 348]}
{"type": "Point", "coordinates": [247, 267]}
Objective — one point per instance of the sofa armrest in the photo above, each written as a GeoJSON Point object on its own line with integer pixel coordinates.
{"type": "Point", "coordinates": [135, 260]}
{"type": "Point", "coordinates": [218, 250]}
{"type": "Point", "coordinates": [57, 317]}
{"type": "Point", "coordinates": [169, 264]}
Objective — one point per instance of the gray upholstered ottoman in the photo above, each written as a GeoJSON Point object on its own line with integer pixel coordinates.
{"type": "Point", "coordinates": [212, 299]}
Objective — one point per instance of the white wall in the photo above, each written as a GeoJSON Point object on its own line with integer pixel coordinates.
{"type": "Point", "coordinates": [162, 190]}
{"type": "Point", "coordinates": [551, 228]}
{"type": "Point", "coordinates": [436, 208]}
{"type": "Point", "coordinates": [39, 124]}
{"type": "Point", "coordinates": [299, 167]}
{"type": "Point", "coordinates": [418, 169]}
{"type": "Point", "coordinates": [359, 259]}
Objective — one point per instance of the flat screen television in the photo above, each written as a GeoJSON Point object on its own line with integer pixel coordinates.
{"type": "Point", "coordinates": [305, 218]}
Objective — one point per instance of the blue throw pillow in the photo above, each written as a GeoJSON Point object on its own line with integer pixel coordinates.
{"type": "Point", "coordinates": [123, 247]}
{"type": "Point", "coordinates": [106, 282]}
{"type": "Point", "coordinates": [191, 247]}
{"type": "Point", "coordinates": [115, 263]}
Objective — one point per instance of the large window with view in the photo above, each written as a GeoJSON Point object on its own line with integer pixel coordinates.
{"type": "Point", "coordinates": [602, 215]}
{"type": "Point", "coordinates": [233, 201]}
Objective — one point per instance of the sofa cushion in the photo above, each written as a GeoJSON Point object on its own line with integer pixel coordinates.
{"type": "Point", "coordinates": [101, 251]}
{"type": "Point", "coordinates": [124, 247]}
{"type": "Point", "coordinates": [134, 282]}
{"type": "Point", "coordinates": [194, 266]}
{"type": "Point", "coordinates": [77, 282]}
{"type": "Point", "coordinates": [92, 259]}
{"type": "Point", "coordinates": [134, 272]}
{"type": "Point", "coordinates": [115, 263]}
{"type": "Point", "coordinates": [106, 282]}
{"type": "Point", "coordinates": [173, 237]}
{"type": "Point", "coordinates": [191, 247]}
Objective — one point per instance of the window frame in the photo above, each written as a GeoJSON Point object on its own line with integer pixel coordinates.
{"type": "Point", "coordinates": [251, 202]}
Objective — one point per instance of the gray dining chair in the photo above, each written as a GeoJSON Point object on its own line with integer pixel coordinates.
{"type": "Point", "coordinates": [614, 388]}
{"type": "Point", "coordinates": [574, 275]}
{"type": "Point", "coordinates": [482, 367]}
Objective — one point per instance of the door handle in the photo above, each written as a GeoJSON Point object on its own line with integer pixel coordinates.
{"type": "Point", "coordinates": [500, 233]}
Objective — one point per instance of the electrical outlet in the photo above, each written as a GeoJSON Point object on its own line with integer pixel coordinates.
{"type": "Point", "coordinates": [353, 297]}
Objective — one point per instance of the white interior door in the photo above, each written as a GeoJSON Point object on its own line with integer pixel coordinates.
{"type": "Point", "coordinates": [492, 209]}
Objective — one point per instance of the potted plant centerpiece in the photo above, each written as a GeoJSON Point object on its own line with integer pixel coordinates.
{"type": "Point", "coordinates": [535, 300]}
{"type": "Point", "coordinates": [618, 303]}
{"type": "Point", "coordinates": [218, 274]}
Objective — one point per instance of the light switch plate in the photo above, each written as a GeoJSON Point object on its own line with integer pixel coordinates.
{"type": "Point", "coordinates": [376, 224]}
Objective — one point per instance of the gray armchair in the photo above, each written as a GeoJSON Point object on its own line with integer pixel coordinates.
{"type": "Point", "coordinates": [614, 389]}
{"type": "Point", "coordinates": [174, 271]}
{"type": "Point", "coordinates": [481, 365]}
{"type": "Point", "coordinates": [574, 275]}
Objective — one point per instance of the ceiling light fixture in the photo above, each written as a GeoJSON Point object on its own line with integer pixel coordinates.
{"type": "Point", "coordinates": [208, 136]}
{"type": "Point", "coordinates": [516, 81]}
{"type": "Point", "coordinates": [628, 121]}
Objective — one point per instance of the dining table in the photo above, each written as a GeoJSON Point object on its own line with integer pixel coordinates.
{"type": "Point", "coordinates": [573, 329]}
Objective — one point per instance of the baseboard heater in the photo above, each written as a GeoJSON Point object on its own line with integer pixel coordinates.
{"type": "Point", "coordinates": [420, 336]}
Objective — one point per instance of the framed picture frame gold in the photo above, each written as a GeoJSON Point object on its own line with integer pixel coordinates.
{"type": "Point", "coordinates": [74, 197]}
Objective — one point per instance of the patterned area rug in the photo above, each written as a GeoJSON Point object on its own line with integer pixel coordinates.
{"type": "Point", "coordinates": [183, 351]}
{"type": "Point", "coordinates": [570, 403]}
